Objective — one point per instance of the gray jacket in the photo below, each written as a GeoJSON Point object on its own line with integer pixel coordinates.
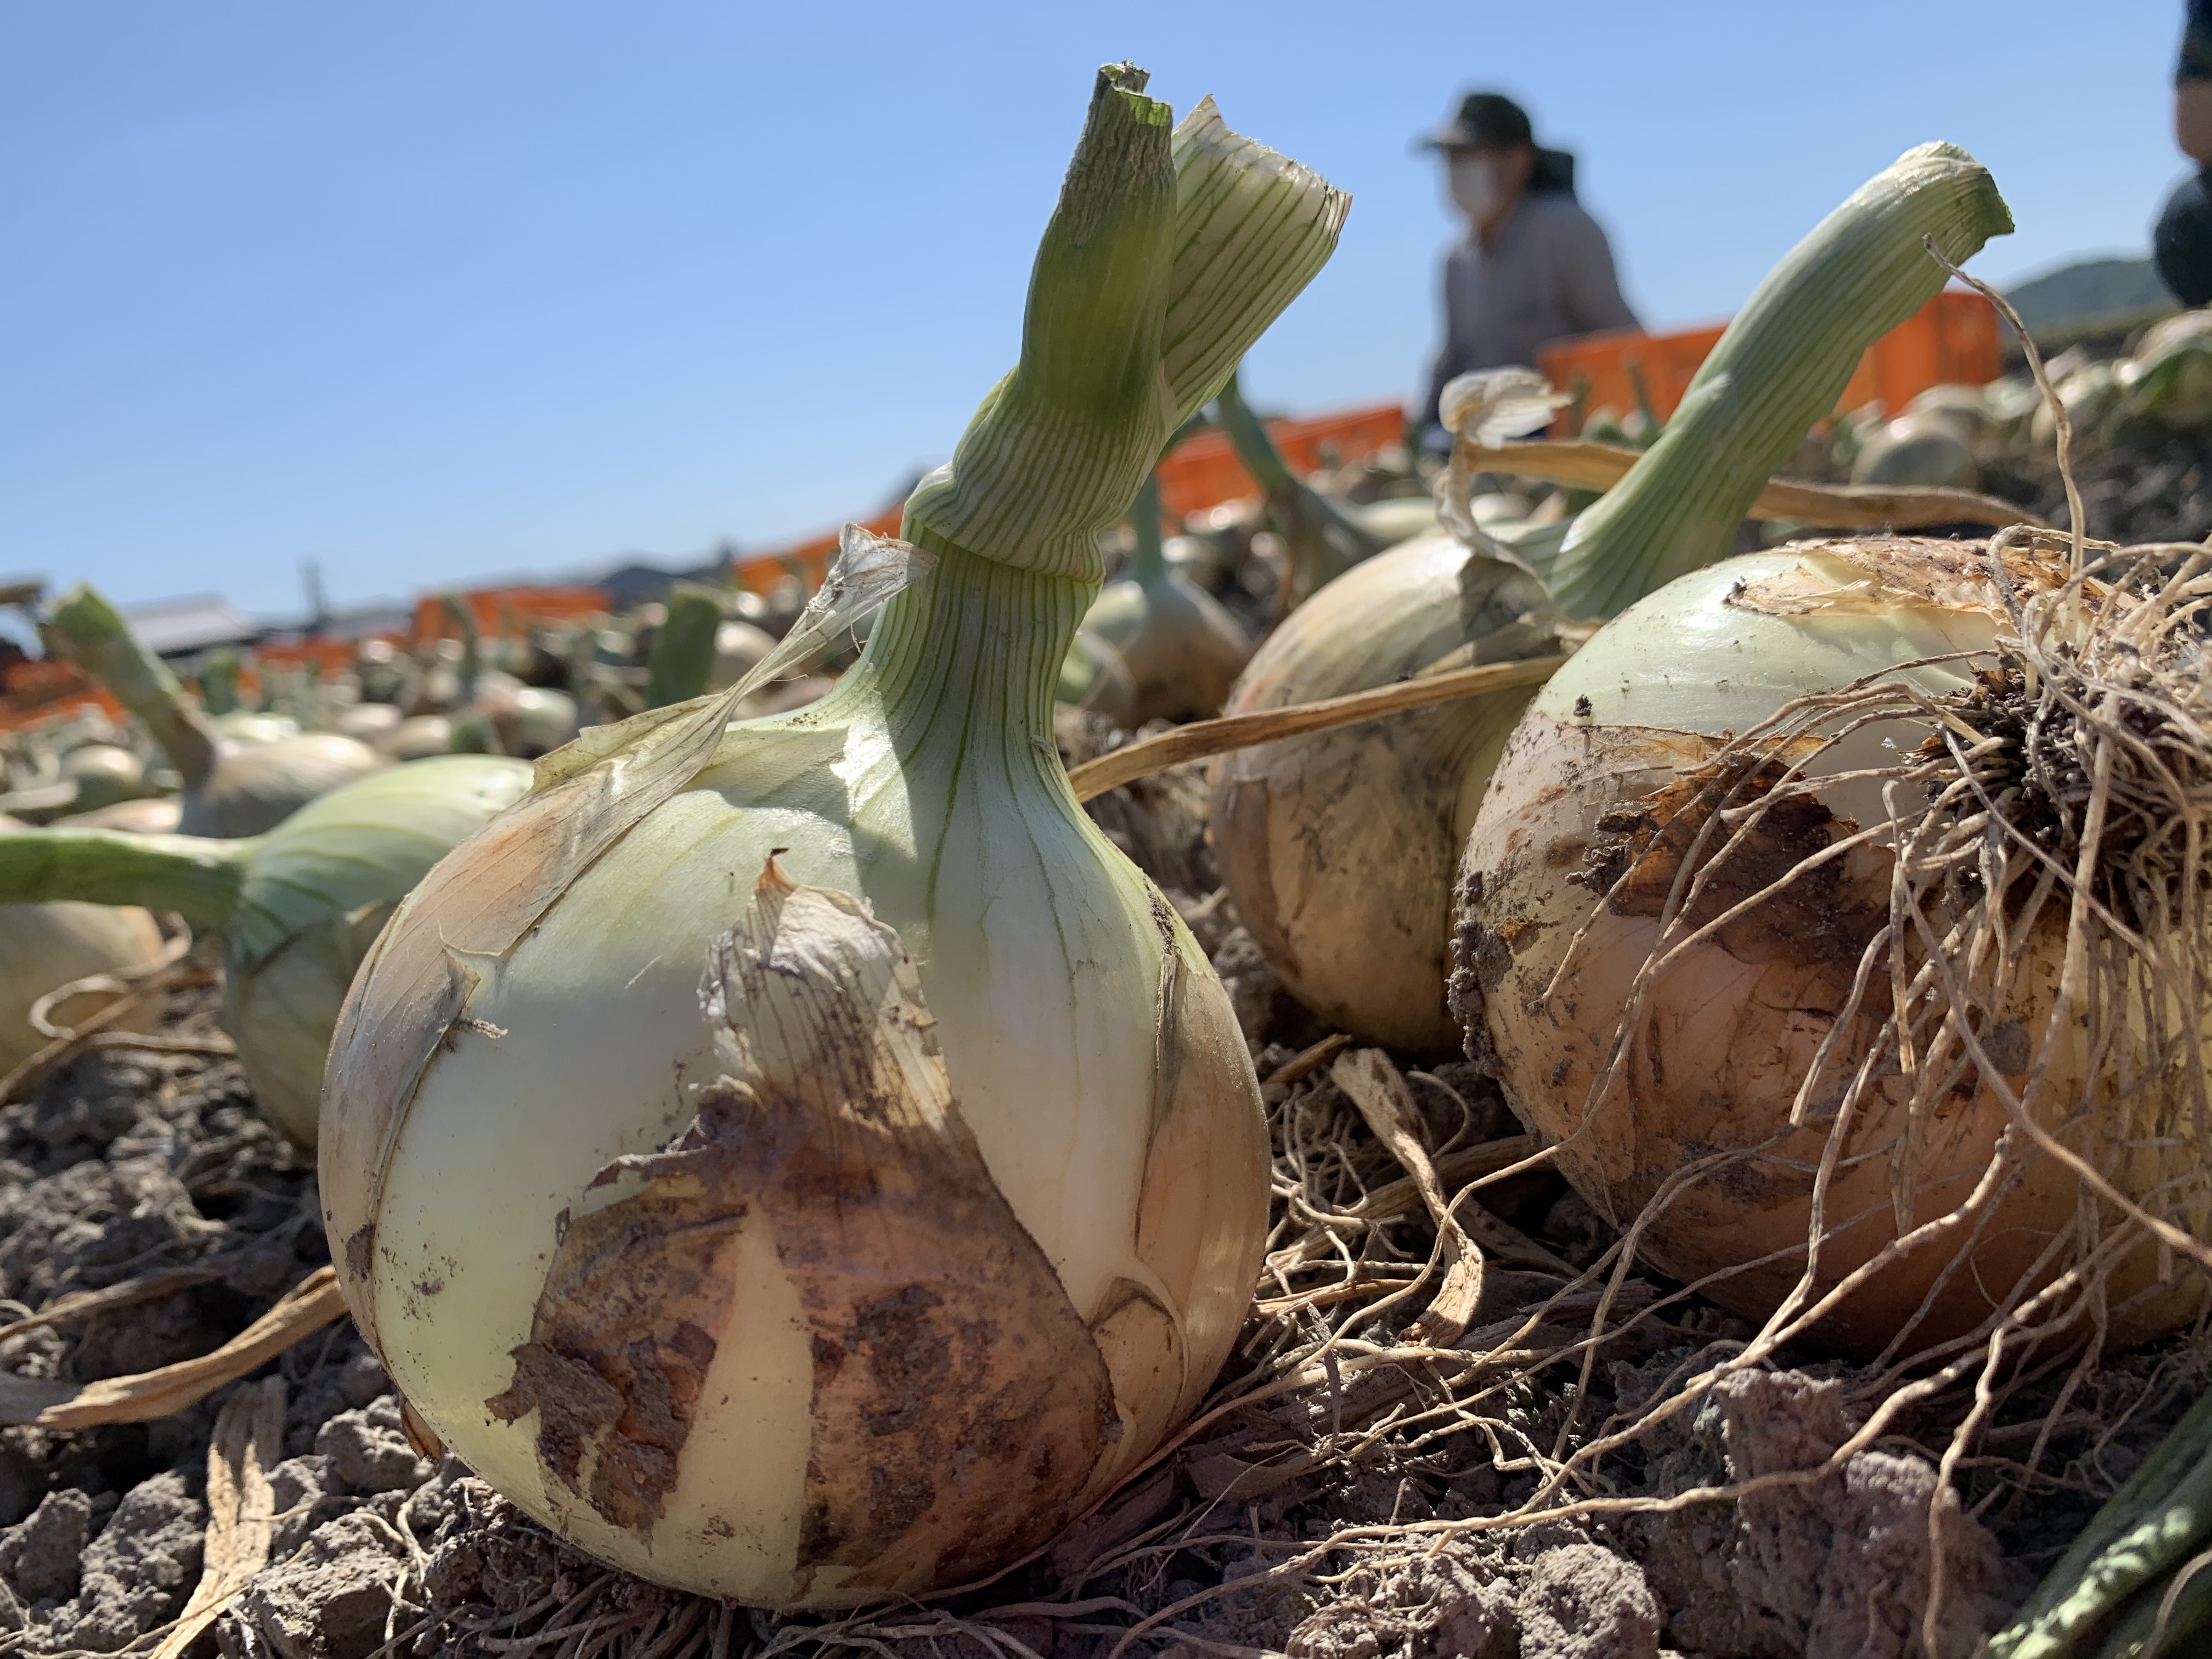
{"type": "Point", "coordinates": [1547, 275]}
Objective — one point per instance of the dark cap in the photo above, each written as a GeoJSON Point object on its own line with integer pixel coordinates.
{"type": "Point", "coordinates": [1484, 118]}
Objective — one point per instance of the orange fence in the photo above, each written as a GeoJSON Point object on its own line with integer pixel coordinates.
{"type": "Point", "coordinates": [1201, 472]}
{"type": "Point", "coordinates": [1952, 337]}
{"type": "Point", "coordinates": [1204, 471]}
{"type": "Point", "coordinates": [760, 573]}
{"type": "Point", "coordinates": [46, 690]}
{"type": "Point", "coordinates": [496, 610]}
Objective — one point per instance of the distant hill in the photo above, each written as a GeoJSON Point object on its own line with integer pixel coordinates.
{"type": "Point", "coordinates": [2090, 291]}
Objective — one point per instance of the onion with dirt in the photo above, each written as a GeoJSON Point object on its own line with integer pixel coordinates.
{"type": "Point", "coordinates": [801, 1160]}
{"type": "Point", "coordinates": [1339, 846]}
{"type": "Point", "coordinates": [1807, 901]}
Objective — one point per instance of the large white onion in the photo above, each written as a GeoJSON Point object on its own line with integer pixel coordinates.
{"type": "Point", "coordinates": [803, 1161]}
{"type": "Point", "coordinates": [1587, 795]}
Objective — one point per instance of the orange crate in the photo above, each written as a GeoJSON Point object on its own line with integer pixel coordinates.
{"type": "Point", "coordinates": [51, 689]}
{"type": "Point", "coordinates": [1952, 337]}
{"type": "Point", "coordinates": [759, 573]}
{"type": "Point", "coordinates": [1204, 471]}
{"type": "Point", "coordinates": [493, 608]}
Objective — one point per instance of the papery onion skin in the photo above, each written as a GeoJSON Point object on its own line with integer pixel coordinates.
{"type": "Point", "coordinates": [1590, 777]}
{"type": "Point", "coordinates": [1339, 847]}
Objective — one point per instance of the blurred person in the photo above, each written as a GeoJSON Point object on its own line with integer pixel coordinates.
{"type": "Point", "coordinates": [1534, 267]}
{"type": "Point", "coordinates": [2182, 243]}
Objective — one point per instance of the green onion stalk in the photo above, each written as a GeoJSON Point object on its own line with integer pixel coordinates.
{"type": "Point", "coordinates": [1321, 539]}
{"type": "Point", "coordinates": [1780, 366]}
{"type": "Point", "coordinates": [2137, 1582]}
{"type": "Point", "coordinates": [231, 789]}
{"type": "Point", "coordinates": [836, 1164]}
{"type": "Point", "coordinates": [1341, 848]}
{"type": "Point", "coordinates": [1181, 649]}
{"type": "Point", "coordinates": [683, 658]}
{"type": "Point", "coordinates": [297, 908]}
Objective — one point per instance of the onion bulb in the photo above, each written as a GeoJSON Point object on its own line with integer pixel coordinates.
{"type": "Point", "coordinates": [1181, 649]}
{"type": "Point", "coordinates": [104, 774]}
{"type": "Point", "coordinates": [1591, 829]}
{"type": "Point", "coordinates": [1919, 449]}
{"type": "Point", "coordinates": [246, 727]}
{"type": "Point", "coordinates": [739, 647]}
{"type": "Point", "coordinates": [801, 1160]}
{"type": "Point", "coordinates": [419, 737]}
{"type": "Point", "coordinates": [231, 789]}
{"type": "Point", "coordinates": [371, 722]}
{"type": "Point", "coordinates": [44, 947]}
{"type": "Point", "coordinates": [297, 908]}
{"type": "Point", "coordinates": [2170, 375]}
{"type": "Point", "coordinates": [1338, 847]}
{"type": "Point", "coordinates": [1093, 675]}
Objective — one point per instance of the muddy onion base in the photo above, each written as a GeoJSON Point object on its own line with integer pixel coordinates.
{"type": "Point", "coordinates": [1735, 1022]}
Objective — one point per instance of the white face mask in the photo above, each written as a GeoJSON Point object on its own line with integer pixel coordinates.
{"type": "Point", "coordinates": [1477, 181]}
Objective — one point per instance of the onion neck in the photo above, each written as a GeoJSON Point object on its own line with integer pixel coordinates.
{"type": "Point", "coordinates": [964, 664]}
{"type": "Point", "coordinates": [682, 663]}
{"type": "Point", "coordinates": [1148, 566]}
{"type": "Point", "coordinates": [97, 637]}
{"type": "Point", "coordinates": [196, 876]}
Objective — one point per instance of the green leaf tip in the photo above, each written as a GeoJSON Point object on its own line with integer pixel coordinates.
{"type": "Point", "coordinates": [1781, 366]}
{"type": "Point", "coordinates": [1170, 252]}
{"type": "Point", "coordinates": [89, 629]}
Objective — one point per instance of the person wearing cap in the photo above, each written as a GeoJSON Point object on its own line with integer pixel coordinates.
{"type": "Point", "coordinates": [2181, 242]}
{"type": "Point", "coordinates": [1534, 267]}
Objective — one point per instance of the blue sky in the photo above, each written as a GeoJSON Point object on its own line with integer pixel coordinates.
{"type": "Point", "coordinates": [427, 293]}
